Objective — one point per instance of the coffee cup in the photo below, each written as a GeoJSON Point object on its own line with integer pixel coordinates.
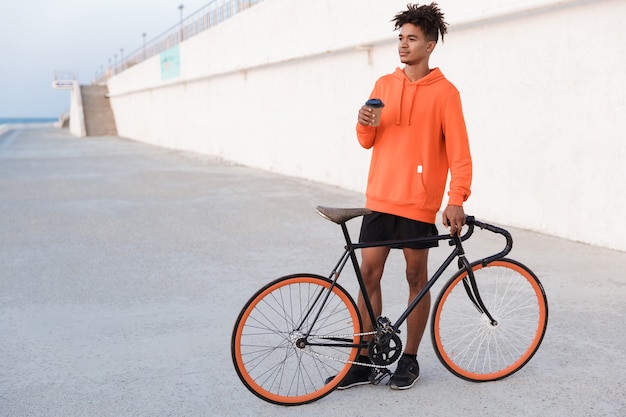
{"type": "Point", "coordinates": [377, 105]}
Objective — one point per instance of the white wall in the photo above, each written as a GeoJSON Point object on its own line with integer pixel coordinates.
{"type": "Point", "coordinates": [278, 87]}
{"type": "Point", "coordinates": [77, 114]}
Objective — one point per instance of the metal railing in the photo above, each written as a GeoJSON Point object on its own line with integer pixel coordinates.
{"type": "Point", "coordinates": [64, 80]}
{"type": "Point", "coordinates": [205, 18]}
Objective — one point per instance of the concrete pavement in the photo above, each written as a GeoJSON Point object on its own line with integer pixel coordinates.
{"type": "Point", "coordinates": [124, 266]}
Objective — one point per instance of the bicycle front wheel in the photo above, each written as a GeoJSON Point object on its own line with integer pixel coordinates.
{"type": "Point", "coordinates": [293, 335]}
{"type": "Point", "coordinates": [467, 343]}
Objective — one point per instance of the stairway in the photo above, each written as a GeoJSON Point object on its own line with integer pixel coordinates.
{"type": "Point", "coordinates": [99, 120]}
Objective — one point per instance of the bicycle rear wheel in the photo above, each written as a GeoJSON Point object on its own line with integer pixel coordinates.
{"type": "Point", "coordinates": [465, 340]}
{"type": "Point", "coordinates": [271, 341]}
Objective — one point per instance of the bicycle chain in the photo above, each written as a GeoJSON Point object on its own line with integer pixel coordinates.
{"type": "Point", "coordinates": [370, 365]}
{"type": "Point", "coordinates": [378, 374]}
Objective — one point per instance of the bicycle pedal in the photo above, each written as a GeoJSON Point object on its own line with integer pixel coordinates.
{"type": "Point", "coordinates": [379, 375]}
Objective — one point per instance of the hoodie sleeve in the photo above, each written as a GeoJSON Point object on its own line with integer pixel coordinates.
{"type": "Point", "coordinates": [457, 150]}
{"type": "Point", "coordinates": [367, 134]}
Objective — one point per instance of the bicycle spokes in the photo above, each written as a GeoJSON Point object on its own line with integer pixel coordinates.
{"type": "Point", "coordinates": [471, 345]}
{"type": "Point", "coordinates": [286, 343]}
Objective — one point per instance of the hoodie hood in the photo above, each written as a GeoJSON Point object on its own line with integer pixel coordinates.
{"type": "Point", "coordinates": [409, 90]}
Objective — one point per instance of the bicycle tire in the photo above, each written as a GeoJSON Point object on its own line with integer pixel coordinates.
{"type": "Point", "coordinates": [464, 339]}
{"type": "Point", "coordinates": [263, 346]}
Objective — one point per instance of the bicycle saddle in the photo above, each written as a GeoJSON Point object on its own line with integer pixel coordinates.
{"type": "Point", "coordinates": [341, 215]}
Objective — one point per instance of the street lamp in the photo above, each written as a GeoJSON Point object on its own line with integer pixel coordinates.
{"type": "Point", "coordinates": [182, 37]}
{"type": "Point", "coordinates": [144, 45]}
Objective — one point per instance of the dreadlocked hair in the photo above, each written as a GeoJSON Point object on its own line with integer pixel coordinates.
{"type": "Point", "coordinates": [427, 17]}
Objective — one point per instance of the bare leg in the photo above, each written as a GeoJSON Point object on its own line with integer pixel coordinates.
{"type": "Point", "coordinates": [372, 267]}
{"type": "Point", "coordinates": [417, 276]}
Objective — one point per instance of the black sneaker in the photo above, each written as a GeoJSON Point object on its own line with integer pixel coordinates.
{"type": "Point", "coordinates": [357, 375]}
{"type": "Point", "coordinates": [406, 374]}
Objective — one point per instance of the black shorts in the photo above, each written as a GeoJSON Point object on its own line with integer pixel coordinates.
{"type": "Point", "coordinates": [378, 227]}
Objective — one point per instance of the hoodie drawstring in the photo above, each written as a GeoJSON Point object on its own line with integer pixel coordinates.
{"type": "Point", "coordinates": [434, 76]}
{"type": "Point", "coordinates": [399, 116]}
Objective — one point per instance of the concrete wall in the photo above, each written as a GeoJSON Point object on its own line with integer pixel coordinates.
{"type": "Point", "coordinates": [278, 87]}
{"type": "Point", "coordinates": [77, 113]}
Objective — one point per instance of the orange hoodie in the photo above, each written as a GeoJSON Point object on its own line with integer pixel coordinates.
{"type": "Point", "coordinates": [421, 136]}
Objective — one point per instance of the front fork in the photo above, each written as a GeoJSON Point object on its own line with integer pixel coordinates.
{"type": "Point", "coordinates": [469, 282]}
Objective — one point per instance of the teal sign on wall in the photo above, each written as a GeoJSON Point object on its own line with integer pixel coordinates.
{"type": "Point", "coordinates": [170, 63]}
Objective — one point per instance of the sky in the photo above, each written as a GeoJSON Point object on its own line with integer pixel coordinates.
{"type": "Point", "coordinates": [39, 37]}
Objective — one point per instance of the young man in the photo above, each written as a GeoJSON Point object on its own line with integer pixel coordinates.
{"type": "Point", "coordinates": [421, 136]}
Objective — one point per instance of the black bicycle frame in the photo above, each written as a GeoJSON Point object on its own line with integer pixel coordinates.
{"type": "Point", "coordinates": [458, 251]}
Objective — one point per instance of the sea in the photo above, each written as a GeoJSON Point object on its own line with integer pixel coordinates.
{"type": "Point", "coordinates": [26, 120]}
{"type": "Point", "coordinates": [8, 123]}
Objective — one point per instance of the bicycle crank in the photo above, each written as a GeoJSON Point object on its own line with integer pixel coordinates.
{"type": "Point", "coordinates": [386, 347]}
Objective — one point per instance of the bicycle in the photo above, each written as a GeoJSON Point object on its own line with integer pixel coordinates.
{"type": "Point", "coordinates": [488, 321]}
